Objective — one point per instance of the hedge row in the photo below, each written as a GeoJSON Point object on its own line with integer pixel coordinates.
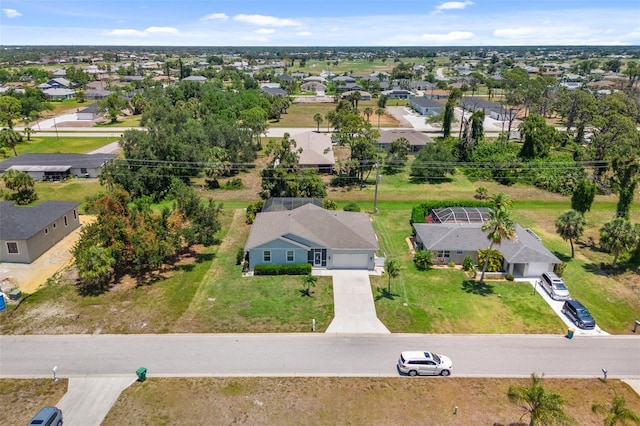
{"type": "Point", "coordinates": [421, 211]}
{"type": "Point", "coordinates": [288, 269]}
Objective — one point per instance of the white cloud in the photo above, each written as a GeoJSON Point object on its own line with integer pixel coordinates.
{"type": "Point", "coordinates": [11, 13]}
{"type": "Point", "coordinates": [266, 21]}
{"type": "Point", "coordinates": [449, 5]}
{"type": "Point", "coordinates": [265, 31]}
{"type": "Point", "coordinates": [305, 33]}
{"type": "Point", "coordinates": [215, 17]}
{"type": "Point", "coordinates": [138, 33]}
{"type": "Point", "coordinates": [450, 37]}
{"type": "Point", "coordinates": [514, 32]}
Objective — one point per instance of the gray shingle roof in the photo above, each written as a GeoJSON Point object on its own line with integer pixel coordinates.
{"type": "Point", "coordinates": [525, 248]}
{"type": "Point", "coordinates": [21, 223]}
{"type": "Point", "coordinates": [325, 228]}
{"type": "Point", "coordinates": [89, 161]}
{"type": "Point", "coordinates": [414, 137]}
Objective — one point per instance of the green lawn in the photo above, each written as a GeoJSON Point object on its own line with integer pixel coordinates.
{"type": "Point", "coordinates": [61, 144]}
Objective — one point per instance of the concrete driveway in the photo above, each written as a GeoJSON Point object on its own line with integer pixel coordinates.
{"type": "Point", "coordinates": [556, 305]}
{"type": "Point", "coordinates": [353, 305]}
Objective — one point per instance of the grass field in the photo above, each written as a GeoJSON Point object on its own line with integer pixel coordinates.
{"type": "Point", "coordinates": [61, 144]}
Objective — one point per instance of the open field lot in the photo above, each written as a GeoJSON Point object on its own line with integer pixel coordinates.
{"type": "Point", "coordinates": [61, 144]}
{"type": "Point", "coordinates": [23, 398]}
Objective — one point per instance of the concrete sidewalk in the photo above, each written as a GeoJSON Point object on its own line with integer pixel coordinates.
{"type": "Point", "coordinates": [354, 309]}
{"type": "Point", "coordinates": [88, 400]}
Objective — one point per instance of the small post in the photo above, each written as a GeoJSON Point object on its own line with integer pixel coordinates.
{"type": "Point", "coordinates": [455, 410]}
{"type": "Point", "coordinates": [535, 287]}
{"type": "Point", "coordinates": [55, 376]}
{"type": "Point", "coordinates": [375, 195]}
{"type": "Point", "coordinates": [604, 372]}
{"type": "Point", "coordinates": [313, 324]}
{"type": "Point", "coordinates": [635, 326]}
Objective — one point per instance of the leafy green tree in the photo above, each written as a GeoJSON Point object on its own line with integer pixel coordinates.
{"type": "Point", "coordinates": [499, 226]}
{"type": "Point", "coordinates": [544, 407]}
{"type": "Point", "coordinates": [625, 181]}
{"type": "Point", "coordinates": [392, 269]}
{"type": "Point", "coordinates": [570, 226]}
{"type": "Point", "coordinates": [112, 106]}
{"type": "Point", "coordinates": [617, 412]}
{"type": "Point", "coordinates": [309, 281]}
{"type": "Point", "coordinates": [23, 185]}
{"type": "Point", "coordinates": [398, 154]}
{"type": "Point", "coordinates": [317, 117]}
{"type": "Point", "coordinates": [576, 107]}
{"type": "Point", "coordinates": [433, 163]}
{"type": "Point", "coordinates": [538, 137]}
{"type": "Point", "coordinates": [28, 131]}
{"type": "Point", "coordinates": [10, 138]}
{"type": "Point", "coordinates": [493, 258]}
{"type": "Point", "coordinates": [94, 265]}
{"type": "Point", "coordinates": [10, 110]}
{"type": "Point", "coordinates": [617, 237]}
{"type": "Point", "coordinates": [477, 126]}
{"type": "Point", "coordinates": [449, 109]}
{"type": "Point", "coordinates": [423, 259]}
{"type": "Point", "coordinates": [357, 133]}
{"type": "Point", "coordinates": [583, 195]}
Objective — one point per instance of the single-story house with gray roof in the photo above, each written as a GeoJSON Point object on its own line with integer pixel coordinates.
{"type": "Point", "coordinates": [28, 232]}
{"type": "Point", "coordinates": [417, 140]}
{"type": "Point", "coordinates": [524, 256]}
{"type": "Point", "coordinates": [55, 93]}
{"type": "Point", "coordinates": [44, 167]}
{"type": "Point", "coordinates": [328, 239]}
{"type": "Point", "coordinates": [426, 106]}
{"type": "Point", "coordinates": [317, 151]}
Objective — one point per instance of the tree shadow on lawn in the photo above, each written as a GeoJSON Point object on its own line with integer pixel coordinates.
{"type": "Point", "coordinates": [384, 293]}
{"type": "Point", "coordinates": [477, 288]}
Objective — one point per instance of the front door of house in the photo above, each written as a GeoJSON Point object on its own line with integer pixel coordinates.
{"type": "Point", "coordinates": [317, 258]}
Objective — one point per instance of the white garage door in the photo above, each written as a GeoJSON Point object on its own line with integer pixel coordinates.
{"type": "Point", "coordinates": [536, 269]}
{"type": "Point", "coordinates": [350, 261]}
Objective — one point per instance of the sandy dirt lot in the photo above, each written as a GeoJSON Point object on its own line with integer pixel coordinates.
{"type": "Point", "coordinates": [29, 277]}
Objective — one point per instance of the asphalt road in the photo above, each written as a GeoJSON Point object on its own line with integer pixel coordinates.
{"type": "Point", "coordinates": [311, 354]}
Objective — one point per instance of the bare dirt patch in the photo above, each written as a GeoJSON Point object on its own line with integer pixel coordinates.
{"type": "Point", "coordinates": [331, 400]}
{"type": "Point", "coordinates": [21, 399]}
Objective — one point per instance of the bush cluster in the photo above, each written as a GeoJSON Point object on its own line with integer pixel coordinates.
{"type": "Point", "coordinates": [289, 269]}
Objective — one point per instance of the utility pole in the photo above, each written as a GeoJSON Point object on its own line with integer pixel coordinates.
{"type": "Point", "coordinates": [375, 196]}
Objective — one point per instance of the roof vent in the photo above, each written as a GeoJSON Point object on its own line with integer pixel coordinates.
{"type": "Point", "coordinates": [533, 234]}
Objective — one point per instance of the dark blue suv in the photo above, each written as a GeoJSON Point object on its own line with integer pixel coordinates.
{"type": "Point", "coordinates": [578, 314]}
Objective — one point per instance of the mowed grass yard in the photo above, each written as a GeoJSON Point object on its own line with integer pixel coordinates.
{"type": "Point", "coordinates": [204, 291]}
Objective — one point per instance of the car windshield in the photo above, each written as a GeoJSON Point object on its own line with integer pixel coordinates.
{"type": "Point", "coordinates": [583, 313]}
{"type": "Point", "coordinates": [560, 286]}
{"type": "Point", "coordinates": [436, 358]}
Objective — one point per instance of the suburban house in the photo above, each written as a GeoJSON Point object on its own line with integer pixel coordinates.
{"type": "Point", "coordinates": [55, 83]}
{"type": "Point", "coordinates": [398, 93]}
{"type": "Point", "coordinates": [417, 140]}
{"type": "Point", "coordinates": [46, 167]}
{"type": "Point", "coordinates": [274, 91]}
{"type": "Point", "coordinates": [328, 239]}
{"type": "Point", "coordinates": [460, 235]}
{"type": "Point", "coordinates": [491, 109]}
{"type": "Point", "coordinates": [426, 106]}
{"type": "Point", "coordinates": [364, 96]}
{"type": "Point", "coordinates": [313, 86]}
{"type": "Point", "coordinates": [317, 152]}
{"type": "Point", "coordinates": [197, 78]}
{"type": "Point", "coordinates": [58, 94]}
{"type": "Point", "coordinates": [28, 232]}
{"type": "Point", "coordinates": [89, 113]}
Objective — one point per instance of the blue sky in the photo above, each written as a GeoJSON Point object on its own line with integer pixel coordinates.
{"type": "Point", "coordinates": [319, 22]}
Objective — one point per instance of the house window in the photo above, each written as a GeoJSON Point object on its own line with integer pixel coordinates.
{"type": "Point", "coordinates": [75, 215]}
{"type": "Point", "coordinates": [266, 256]}
{"type": "Point", "coordinates": [290, 256]}
{"type": "Point", "coordinates": [46, 231]}
{"type": "Point", "coordinates": [54, 225]}
{"type": "Point", "coordinates": [12, 247]}
{"type": "Point", "coordinates": [83, 170]}
{"type": "Point", "coordinates": [443, 253]}
{"type": "Point", "coordinates": [65, 221]}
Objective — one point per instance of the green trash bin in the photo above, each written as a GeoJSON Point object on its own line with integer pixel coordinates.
{"type": "Point", "coordinates": [142, 374]}
{"type": "Point", "coordinates": [570, 332]}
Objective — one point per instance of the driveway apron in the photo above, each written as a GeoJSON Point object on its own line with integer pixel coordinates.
{"type": "Point", "coordinates": [354, 309]}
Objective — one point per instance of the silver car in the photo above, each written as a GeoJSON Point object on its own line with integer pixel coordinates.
{"type": "Point", "coordinates": [425, 363]}
{"type": "Point", "coordinates": [554, 285]}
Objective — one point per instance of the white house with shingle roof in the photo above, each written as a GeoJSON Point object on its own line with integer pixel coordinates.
{"type": "Point", "coordinates": [317, 151]}
{"type": "Point", "coordinates": [524, 256]}
{"type": "Point", "coordinates": [328, 239]}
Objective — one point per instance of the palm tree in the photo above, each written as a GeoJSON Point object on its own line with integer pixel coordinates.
{"type": "Point", "coordinates": [309, 281]}
{"type": "Point", "coordinates": [317, 117]}
{"type": "Point", "coordinates": [501, 201]}
{"type": "Point", "coordinates": [379, 112]}
{"type": "Point", "coordinates": [616, 413]}
{"type": "Point", "coordinates": [367, 112]}
{"type": "Point", "coordinates": [500, 225]}
{"type": "Point", "coordinates": [618, 236]}
{"type": "Point", "coordinates": [570, 226]}
{"type": "Point", "coordinates": [392, 268]}
{"type": "Point", "coordinates": [542, 405]}
{"type": "Point", "coordinates": [28, 131]}
{"type": "Point", "coordinates": [10, 138]}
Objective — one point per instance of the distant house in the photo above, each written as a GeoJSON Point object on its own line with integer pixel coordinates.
{"type": "Point", "coordinates": [96, 94]}
{"type": "Point", "coordinates": [59, 94]}
{"type": "Point", "coordinates": [317, 152]}
{"type": "Point", "coordinates": [131, 78]}
{"type": "Point", "coordinates": [55, 83]}
{"type": "Point", "coordinates": [328, 239]}
{"type": "Point", "coordinates": [274, 91]}
{"type": "Point", "coordinates": [453, 240]}
{"type": "Point", "coordinates": [343, 79]}
{"type": "Point", "coordinates": [364, 96]}
{"type": "Point", "coordinates": [89, 113]}
{"type": "Point", "coordinates": [425, 106]}
{"type": "Point", "coordinates": [313, 86]}
{"type": "Point", "coordinates": [46, 167]}
{"type": "Point", "coordinates": [198, 78]}
{"type": "Point", "coordinates": [421, 85]}
{"type": "Point", "coordinates": [349, 87]}
{"type": "Point", "coordinates": [28, 232]}
{"type": "Point", "coordinates": [398, 94]}
{"type": "Point", "coordinates": [417, 140]}
{"type": "Point", "coordinates": [491, 109]}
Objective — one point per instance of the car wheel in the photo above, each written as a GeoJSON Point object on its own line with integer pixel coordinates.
{"type": "Point", "coordinates": [60, 423]}
{"type": "Point", "coordinates": [445, 373]}
{"type": "Point", "coordinates": [413, 373]}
